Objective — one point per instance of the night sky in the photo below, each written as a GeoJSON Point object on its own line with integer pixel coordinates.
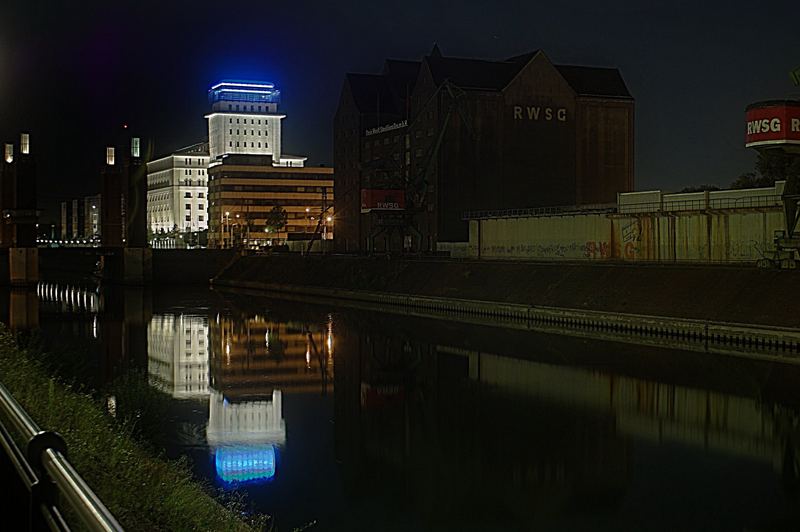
{"type": "Point", "coordinates": [72, 73]}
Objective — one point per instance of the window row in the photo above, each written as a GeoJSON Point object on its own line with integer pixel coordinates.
{"type": "Point", "coordinates": [244, 121]}
{"type": "Point", "coordinates": [253, 108]}
{"type": "Point", "coordinates": [252, 144]}
{"type": "Point", "coordinates": [252, 132]}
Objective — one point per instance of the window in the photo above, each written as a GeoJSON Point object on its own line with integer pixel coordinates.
{"type": "Point", "coordinates": [251, 144]}
{"type": "Point", "coordinates": [200, 206]}
{"type": "Point", "coordinates": [230, 107]}
{"type": "Point", "coordinates": [188, 217]}
{"type": "Point", "coordinates": [252, 121]}
{"type": "Point", "coordinates": [259, 132]}
{"type": "Point", "coordinates": [237, 144]}
{"type": "Point", "coordinates": [252, 132]}
{"type": "Point", "coordinates": [201, 195]}
{"type": "Point", "coordinates": [259, 144]}
{"type": "Point", "coordinates": [237, 120]}
{"type": "Point", "coordinates": [230, 144]}
{"type": "Point", "coordinates": [230, 132]}
{"type": "Point", "coordinates": [201, 218]}
{"type": "Point", "coordinates": [230, 120]}
{"type": "Point", "coordinates": [187, 195]}
{"type": "Point", "coordinates": [188, 206]}
{"type": "Point", "coordinates": [237, 131]}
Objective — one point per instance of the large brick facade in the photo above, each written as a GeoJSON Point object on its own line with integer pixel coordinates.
{"type": "Point", "coordinates": [462, 134]}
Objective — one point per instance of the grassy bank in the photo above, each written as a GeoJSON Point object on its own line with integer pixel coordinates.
{"type": "Point", "coordinates": [143, 491]}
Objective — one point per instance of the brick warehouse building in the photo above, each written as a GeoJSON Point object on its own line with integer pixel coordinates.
{"type": "Point", "coordinates": [421, 143]}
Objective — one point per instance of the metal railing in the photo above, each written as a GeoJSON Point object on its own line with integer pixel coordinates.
{"type": "Point", "coordinates": [678, 205]}
{"type": "Point", "coordinates": [665, 205]}
{"type": "Point", "coordinates": [540, 211]}
{"type": "Point", "coordinates": [47, 475]}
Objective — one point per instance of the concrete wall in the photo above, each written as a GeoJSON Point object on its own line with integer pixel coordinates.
{"type": "Point", "coordinates": [741, 235]}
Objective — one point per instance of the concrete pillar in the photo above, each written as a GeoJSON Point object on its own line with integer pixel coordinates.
{"type": "Point", "coordinates": [23, 266]}
{"type": "Point", "coordinates": [137, 266]}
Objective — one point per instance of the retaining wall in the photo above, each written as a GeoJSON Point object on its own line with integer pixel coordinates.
{"type": "Point", "coordinates": [730, 235]}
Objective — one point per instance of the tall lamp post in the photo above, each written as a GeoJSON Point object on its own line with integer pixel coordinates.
{"type": "Point", "coordinates": [225, 227]}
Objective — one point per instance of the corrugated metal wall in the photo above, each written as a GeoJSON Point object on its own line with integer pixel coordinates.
{"type": "Point", "coordinates": [720, 236]}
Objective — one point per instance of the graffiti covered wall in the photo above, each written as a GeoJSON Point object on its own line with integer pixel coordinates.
{"type": "Point", "coordinates": [733, 235]}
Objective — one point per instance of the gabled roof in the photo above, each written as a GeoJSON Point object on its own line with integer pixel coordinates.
{"type": "Point", "coordinates": [401, 74]}
{"type": "Point", "coordinates": [594, 81]}
{"type": "Point", "coordinates": [473, 73]}
{"type": "Point", "coordinates": [371, 93]}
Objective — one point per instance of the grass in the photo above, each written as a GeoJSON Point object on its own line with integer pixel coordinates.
{"type": "Point", "coordinates": [143, 490]}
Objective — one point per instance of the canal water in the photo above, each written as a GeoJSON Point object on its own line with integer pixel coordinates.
{"type": "Point", "coordinates": [339, 419]}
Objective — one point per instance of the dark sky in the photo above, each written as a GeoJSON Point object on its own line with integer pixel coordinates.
{"type": "Point", "coordinates": [73, 72]}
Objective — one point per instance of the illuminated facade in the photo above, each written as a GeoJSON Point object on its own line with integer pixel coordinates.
{"type": "Point", "coordinates": [244, 120]}
{"type": "Point", "coordinates": [176, 191]}
{"type": "Point", "coordinates": [243, 191]}
{"type": "Point", "coordinates": [250, 175]}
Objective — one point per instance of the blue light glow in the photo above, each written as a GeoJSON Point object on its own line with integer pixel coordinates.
{"type": "Point", "coordinates": [245, 463]}
{"type": "Point", "coordinates": [240, 91]}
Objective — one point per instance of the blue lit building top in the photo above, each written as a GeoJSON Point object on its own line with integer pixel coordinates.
{"type": "Point", "coordinates": [249, 92]}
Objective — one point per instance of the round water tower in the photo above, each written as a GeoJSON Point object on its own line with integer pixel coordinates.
{"type": "Point", "coordinates": [773, 124]}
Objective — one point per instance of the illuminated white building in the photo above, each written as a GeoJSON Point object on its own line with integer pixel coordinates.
{"type": "Point", "coordinates": [244, 120]}
{"type": "Point", "coordinates": [177, 190]}
{"type": "Point", "coordinates": [177, 354]}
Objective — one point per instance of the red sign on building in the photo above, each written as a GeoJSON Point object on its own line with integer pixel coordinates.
{"type": "Point", "coordinates": [773, 123]}
{"type": "Point", "coordinates": [382, 200]}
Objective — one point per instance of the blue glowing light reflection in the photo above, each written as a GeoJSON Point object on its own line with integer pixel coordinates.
{"type": "Point", "coordinates": [245, 463]}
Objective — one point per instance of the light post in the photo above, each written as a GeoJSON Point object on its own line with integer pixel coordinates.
{"type": "Point", "coordinates": [238, 229]}
{"type": "Point", "coordinates": [226, 225]}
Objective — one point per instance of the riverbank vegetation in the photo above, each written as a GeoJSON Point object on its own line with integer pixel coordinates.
{"type": "Point", "coordinates": [143, 490]}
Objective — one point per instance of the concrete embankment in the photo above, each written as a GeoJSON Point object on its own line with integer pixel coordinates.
{"type": "Point", "coordinates": [721, 309]}
{"type": "Point", "coordinates": [170, 266]}
{"type": "Point", "coordinates": [718, 293]}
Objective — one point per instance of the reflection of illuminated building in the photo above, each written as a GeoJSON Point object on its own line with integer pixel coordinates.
{"type": "Point", "coordinates": [251, 357]}
{"type": "Point", "coordinates": [177, 354]}
{"type": "Point", "coordinates": [248, 421]}
{"type": "Point", "coordinates": [244, 435]}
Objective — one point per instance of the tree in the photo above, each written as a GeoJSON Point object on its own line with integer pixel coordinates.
{"type": "Point", "coordinates": [772, 165]}
{"type": "Point", "coordinates": [276, 218]}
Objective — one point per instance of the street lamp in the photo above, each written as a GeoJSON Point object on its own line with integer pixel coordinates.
{"type": "Point", "coordinates": [226, 224]}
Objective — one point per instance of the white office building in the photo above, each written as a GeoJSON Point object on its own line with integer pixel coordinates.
{"type": "Point", "coordinates": [244, 120]}
{"type": "Point", "coordinates": [177, 191]}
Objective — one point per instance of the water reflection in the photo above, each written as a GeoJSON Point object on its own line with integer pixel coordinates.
{"type": "Point", "coordinates": [177, 355]}
{"type": "Point", "coordinates": [243, 364]}
{"type": "Point", "coordinates": [442, 427]}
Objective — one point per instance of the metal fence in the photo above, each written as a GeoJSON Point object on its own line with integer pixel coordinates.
{"type": "Point", "coordinates": [49, 478]}
{"type": "Point", "coordinates": [670, 205]}
{"type": "Point", "coordinates": [540, 211]}
{"type": "Point", "coordinates": [666, 205]}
